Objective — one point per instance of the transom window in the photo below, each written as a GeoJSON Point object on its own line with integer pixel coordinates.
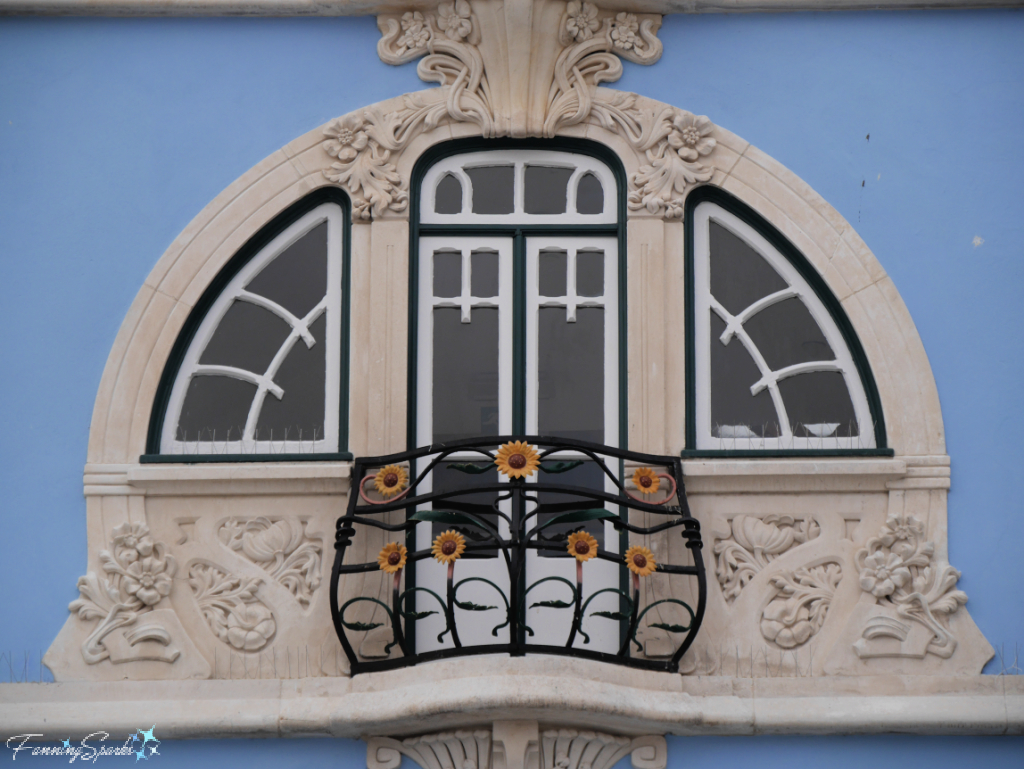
{"type": "Point", "coordinates": [772, 369]}
{"type": "Point", "coordinates": [518, 332]}
{"type": "Point", "coordinates": [260, 366]}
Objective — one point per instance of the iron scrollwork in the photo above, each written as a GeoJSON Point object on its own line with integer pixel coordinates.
{"type": "Point", "coordinates": [531, 507]}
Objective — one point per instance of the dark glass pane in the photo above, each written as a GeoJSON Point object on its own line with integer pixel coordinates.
{"type": "Point", "coordinates": [735, 413]}
{"type": "Point", "coordinates": [447, 274]}
{"type": "Point", "coordinates": [588, 476]}
{"type": "Point", "coordinates": [465, 374]}
{"type": "Point", "coordinates": [215, 409]}
{"type": "Point", "coordinates": [484, 274]}
{"type": "Point", "coordinates": [590, 273]}
{"type": "Point", "coordinates": [297, 278]}
{"type": "Point", "coordinates": [299, 415]}
{"type": "Point", "coordinates": [479, 504]}
{"type": "Point", "coordinates": [448, 198]}
{"type": "Point", "coordinates": [818, 405]}
{"type": "Point", "coordinates": [552, 270]}
{"type": "Point", "coordinates": [248, 337]}
{"type": "Point", "coordinates": [492, 189]}
{"type": "Point", "coordinates": [546, 189]}
{"type": "Point", "coordinates": [786, 334]}
{"type": "Point", "coordinates": [589, 195]}
{"type": "Point", "coordinates": [739, 275]}
{"type": "Point", "coordinates": [571, 373]}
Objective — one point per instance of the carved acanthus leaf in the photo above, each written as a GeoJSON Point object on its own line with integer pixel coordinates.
{"type": "Point", "coordinates": [799, 609]}
{"type": "Point", "coordinates": [281, 549]}
{"type": "Point", "coordinates": [232, 610]}
{"type": "Point", "coordinates": [899, 568]}
{"type": "Point", "coordinates": [140, 576]}
{"type": "Point", "coordinates": [753, 543]}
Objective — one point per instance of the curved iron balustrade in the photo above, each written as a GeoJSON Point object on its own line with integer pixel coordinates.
{"type": "Point", "coordinates": [527, 522]}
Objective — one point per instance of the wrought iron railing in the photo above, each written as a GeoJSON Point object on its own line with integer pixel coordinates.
{"type": "Point", "coordinates": [504, 498]}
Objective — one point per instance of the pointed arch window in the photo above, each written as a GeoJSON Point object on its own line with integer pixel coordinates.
{"type": "Point", "coordinates": [260, 370]}
{"type": "Point", "coordinates": [774, 363]}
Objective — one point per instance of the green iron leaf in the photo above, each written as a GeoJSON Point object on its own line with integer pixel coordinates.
{"type": "Point", "coordinates": [551, 604]}
{"type": "Point", "coordinates": [579, 516]}
{"type": "Point", "coordinates": [463, 467]}
{"type": "Point", "coordinates": [417, 614]}
{"type": "Point", "coordinates": [361, 625]}
{"type": "Point", "coordinates": [561, 467]}
{"type": "Point", "coordinates": [670, 628]}
{"type": "Point", "coordinates": [441, 516]}
{"type": "Point", "coordinates": [470, 606]}
{"type": "Point", "coordinates": [610, 614]}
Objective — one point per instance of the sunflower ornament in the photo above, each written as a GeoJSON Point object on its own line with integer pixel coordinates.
{"type": "Point", "coordinates": [448, 547]}
{"type": "Point", "coordinates": [640, 561]}
{"type": "Point", "coordinates": [391, 558]}
{"type": "Point", "coordinates": [517, 459]}
{"type": "Point", "coordinates": [582, 546]}
{"type": "Point", "coordinates": [390, 480]}
{"type": "Point", "coordinates": [646, 480]}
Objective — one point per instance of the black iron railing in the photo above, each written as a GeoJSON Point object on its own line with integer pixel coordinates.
{"type": "Point", "coordinates": [500, 498]}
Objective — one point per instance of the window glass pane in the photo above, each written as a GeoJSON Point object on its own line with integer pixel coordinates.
{"type": "Point", "coordinates": [590, 273]}
{"type": "Point", "coordinates": [492, 189]}
{"type": "Point", "coordinates": [546, 189]}
{"type": "Point", "coordinates": [735, 413]}
{"type": "Point", "coordinates": [248, 338]}
{"type": "Point", "coordinates": [479, 504]}
{"type": "Point", "coordinates": [484, 274]}
{"type": "Point", "coordinates": [447, 274]}
{"type": "Point", "coordinates": [589, 195]}
{"type": "Point", "coordinates": [587, 475]}
{"type": "Point", "coordinates": [786, 334]}
{"type": "Point", "coordinates": [739, 275]}
{"type": "Point", "coordinates": [465, 374]}
{"type": "Point", "coordinates": [571, 373]}
{"type": "Point", "coordinates": [552, 270]}
{"type": "Point", "coordinates": [299, 415]}
{"type": "Point", "coordinates": [818, 405]}
{"type": "Point", "coordinates": [215, 409]}
{"type": "Point", "coordinates": [297, 278]}
{"type": "Point", "coordinates": [448, 197]}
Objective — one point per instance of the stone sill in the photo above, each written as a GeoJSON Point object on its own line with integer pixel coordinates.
{"type": "Point", "coordinates": [474, 692]}
{"type": "Point", "coordinates": [217, 478]}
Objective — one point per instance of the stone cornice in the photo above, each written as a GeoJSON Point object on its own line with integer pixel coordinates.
{"type": "Point", "coordinates": [377, 7]}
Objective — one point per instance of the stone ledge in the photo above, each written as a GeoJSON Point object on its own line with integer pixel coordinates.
{"type": "Point", "coordinates": [469, 693]}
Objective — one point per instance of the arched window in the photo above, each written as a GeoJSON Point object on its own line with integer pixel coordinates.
{"type": "Point", "coordinates": [517, 266]}
{"type": "Point", "coordinates": [260, 370]}
{"type": "Point", "coordinates": [774, 365]}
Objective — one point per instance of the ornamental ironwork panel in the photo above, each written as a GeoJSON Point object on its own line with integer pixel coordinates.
{"type": "Point", "coordinates": [515, 514]}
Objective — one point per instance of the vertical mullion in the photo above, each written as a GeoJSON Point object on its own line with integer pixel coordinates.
{"type": "Point", "coordinates": [519, 333]}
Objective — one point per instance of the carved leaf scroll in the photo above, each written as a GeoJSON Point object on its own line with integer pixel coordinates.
{"type": "Point", "coordinates": [280, 548]}
{"type": "Point", "coordinates": [799, 609]}
{"type": "Point", "coordinates": [230, 606]}
{"type": "Point", "coordinates": [753, 544]}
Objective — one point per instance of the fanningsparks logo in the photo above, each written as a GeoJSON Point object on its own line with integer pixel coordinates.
{"type": "Point", "coordinates": [142, 744]}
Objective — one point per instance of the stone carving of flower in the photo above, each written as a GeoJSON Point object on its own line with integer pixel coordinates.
{"type": "Point", "coordinates": [390, 480]}
{"type": "Point", "coordinates": [690, 136]}
{"type": "Point", "coordinates": [264, 541]}
{"type": "Point", "coordinates": [640, 561]}
{"type": "Point", "coordinates": [415, 33]}
{"type": "Point", "coordinates": [250, 626]}
{"type": "Point", "coordinates": [347, 138]}
{"type": "Point", "coordinates": [147, 579]}
{"type": "Point", "coordinates": [757, 536]}
{"type": "Point", "coordinates": [391, 558]}
{"type": "Point", "coordinates": [582, 546]}
{"type": "Point", "coordinates": [582, 22]}
{"type": "Point", "coordinates": [624, 29]}
{"type": "Point", "coordinates": [786, 622]}
{"type": "Point", "coordinates": [132, 540]}
{"type": "Point", "coordinates": [454, 19]}
{"type": "Point", "coordinates": [646, 480]}
{"type": "Point", "coordinates": [898, 528]}
{"type": "Point", "coordinates": [517, 459]}
{"type": "Point", "coordinates": [882, 575]}
{"type": "Point", "coordinates": [448, 547]}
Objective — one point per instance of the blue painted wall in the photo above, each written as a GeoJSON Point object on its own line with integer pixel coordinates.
{"type": "Point", "coordinates": [115, 133]}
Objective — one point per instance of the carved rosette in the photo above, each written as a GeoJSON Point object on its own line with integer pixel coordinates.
{"type": "Point", "coordinates": [798, 610]}
{"type": "Point", "coordinates": [230, 606]}
{"type": "Point", "coordinates": [458, 50]}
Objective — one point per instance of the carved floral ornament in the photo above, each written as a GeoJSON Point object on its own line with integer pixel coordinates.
{"type": "Point", "coordinates": [458, 45]}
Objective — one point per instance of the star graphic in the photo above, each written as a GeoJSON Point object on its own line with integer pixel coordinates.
{"type": "Point", "coordinates": [148, 735]}
{"type": "Point", "coordinates": [67, 743]}
{"type": "Point", "coordinates": [140, 754]}
{"type": "Point", "coordinates": [135, 738]}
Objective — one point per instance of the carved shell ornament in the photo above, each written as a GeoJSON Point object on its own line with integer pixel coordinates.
{"type": "Point", "coordinates": [478, 89]}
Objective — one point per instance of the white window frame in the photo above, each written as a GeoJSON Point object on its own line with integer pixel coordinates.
{"type": "Point", "coordinates": [704, 304]}
{"type": "Point", "coordinates": [331, 304]}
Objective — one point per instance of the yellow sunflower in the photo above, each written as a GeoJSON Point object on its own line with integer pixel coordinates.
{"type": "Point", "coordinates": [448, 547]}
{"type": "Point", "coordinates": [390, 480]}
{"type": "Point", "coordinates": [646, 480]}
{"type": "Point", "coordinates": [517, 459]}
{"type": "Point", "coordinates": [640, 560]}
{"type": "Point", "coordinates": [582, 546]}
{"type": "Point", "coordinates": [392, 557]}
